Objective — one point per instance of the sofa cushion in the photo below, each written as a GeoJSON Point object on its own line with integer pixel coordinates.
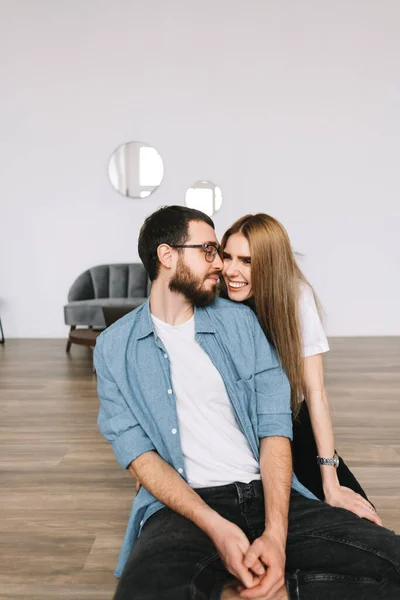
{"type": "Point", "coordinates": [90, 313]}
{"type": "Point", "coordinates": [119, 281]}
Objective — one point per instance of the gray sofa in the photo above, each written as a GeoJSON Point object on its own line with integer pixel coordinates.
{"type": "Point", "coordinates": [123, 284]}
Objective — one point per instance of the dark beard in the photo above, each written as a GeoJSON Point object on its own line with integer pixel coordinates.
{"type": "Point", "coordinates": [185, 283]}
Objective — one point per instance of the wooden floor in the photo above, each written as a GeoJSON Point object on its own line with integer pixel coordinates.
{"type": "Point", "coordinates": [64, 501]}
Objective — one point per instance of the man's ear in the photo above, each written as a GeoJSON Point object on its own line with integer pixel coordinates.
{"type": "Point", "coordinates": [165, 255]}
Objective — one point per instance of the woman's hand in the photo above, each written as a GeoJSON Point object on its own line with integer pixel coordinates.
{"type": "Point", "coordinates": [343, 497]}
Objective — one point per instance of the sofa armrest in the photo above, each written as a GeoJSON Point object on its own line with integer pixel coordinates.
{"type": "Point", "coordinates": [82, 288]}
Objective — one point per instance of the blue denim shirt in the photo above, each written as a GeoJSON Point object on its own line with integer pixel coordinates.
{"type": "Point", "coordinates": [137, 403]}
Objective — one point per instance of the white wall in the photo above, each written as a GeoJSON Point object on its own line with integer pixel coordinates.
{"type": "Point", "coordinates": [291, 107]}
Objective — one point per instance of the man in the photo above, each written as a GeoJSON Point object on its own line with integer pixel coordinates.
{"type": "Point", "coordinates": [197, 406]}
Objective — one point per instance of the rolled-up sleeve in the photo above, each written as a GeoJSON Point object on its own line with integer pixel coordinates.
{"type": "Point", "coordinates": [116, 420]}
{"type": "Point", "coordinates": [272, 389]}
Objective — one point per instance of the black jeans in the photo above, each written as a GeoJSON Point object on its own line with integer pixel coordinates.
{"type": "Point", "coordinates": [331, 553]}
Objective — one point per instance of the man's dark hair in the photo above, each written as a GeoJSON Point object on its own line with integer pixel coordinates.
{"type": "Point", "coordinates": [167, 225]}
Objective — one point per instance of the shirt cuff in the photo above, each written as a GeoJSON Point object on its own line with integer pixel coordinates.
{"type": "Point", "coordinates": [131, 444]}
{"type": "Point", "coordinates": [275, 425]}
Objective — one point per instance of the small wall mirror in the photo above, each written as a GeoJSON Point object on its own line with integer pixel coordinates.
{"type": "Point", "coordinates": [135, 169]}
{"type": "Point", "coordinates": [205, 196]}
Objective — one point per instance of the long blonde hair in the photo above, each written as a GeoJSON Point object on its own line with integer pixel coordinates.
{"type": "Point", "coordinates": [276, 279]}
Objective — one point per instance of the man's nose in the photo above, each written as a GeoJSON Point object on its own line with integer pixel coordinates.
{"type": "Point", "coordinates": [218, 264]}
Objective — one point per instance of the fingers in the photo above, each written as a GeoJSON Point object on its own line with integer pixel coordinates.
{"type": "Point", "coordinates": [361, 507]}
{"type": "Point", "coordinates": [253, 553]}
{"type": "Point", "coordinates": [373, 515]}
{"type": "Point", "coordinates": [281, 594]}
{"type": "Point", "coordinates": [365, 503]}
{"type": "Point", "coordinates": [258, 568]}
{"type": "Point", "coordinates": [369, 511]}
{"type": "Point", "coordinates": [231, 590]}
{"type": "Point", "coordinates": [242, 572]}
{"type": "Point", "coordinates": [257, 593]}
{"type": "Point", "coordinates": [252, 560]}
{"type": "Point", "coordinates": [366, 511]}
{"type": "Point", "coordinates": [269, 585]}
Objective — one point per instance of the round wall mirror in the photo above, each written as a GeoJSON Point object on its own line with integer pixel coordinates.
{"type": "Point", "coordinates": [135, 169]}
{"type": "Point", "coordinates": [204, 196]}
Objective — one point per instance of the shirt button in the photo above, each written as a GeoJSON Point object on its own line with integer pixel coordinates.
{"type": "Point", "coordinates": [165, 355]}
{"type": "Point", "coordinates": [180, 470]}
{"type": "Point", "coordinates": [169, 391]}
{"type": "Point", "coordinates": [174, 431]}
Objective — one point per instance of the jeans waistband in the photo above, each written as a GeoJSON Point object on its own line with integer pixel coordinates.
{"type": "Point", "coordinates": [238, 489]}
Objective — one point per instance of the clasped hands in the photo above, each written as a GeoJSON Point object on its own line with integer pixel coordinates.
{"type": "Point", "coordinates": [260, 566]}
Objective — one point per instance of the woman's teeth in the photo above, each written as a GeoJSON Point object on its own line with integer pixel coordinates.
{"type": "Point", "coordinates": [235, 285]}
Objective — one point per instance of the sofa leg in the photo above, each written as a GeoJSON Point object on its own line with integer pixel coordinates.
{"type": "Point", "coordinates": [68, 348]}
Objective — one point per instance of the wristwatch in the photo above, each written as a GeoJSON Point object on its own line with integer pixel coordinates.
{"type": "Point", "coordinates": [333, 462]}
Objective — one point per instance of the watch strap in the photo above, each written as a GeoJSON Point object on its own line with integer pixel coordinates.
{"type": "Point", "coordinates": [332, 462]}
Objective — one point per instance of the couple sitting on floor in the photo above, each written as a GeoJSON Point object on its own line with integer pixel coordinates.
{"type": "Point", "coordinates": [200, 397]}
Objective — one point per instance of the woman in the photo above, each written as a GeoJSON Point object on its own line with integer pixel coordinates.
{"type": "Point", "coordinates": [260, 270]}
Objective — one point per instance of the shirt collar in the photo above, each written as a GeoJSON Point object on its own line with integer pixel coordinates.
{"type": "Point", "coordinates": [202, 320]}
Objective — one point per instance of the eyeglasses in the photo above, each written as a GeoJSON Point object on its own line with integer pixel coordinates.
{"type": "Point", "coordinates": [210, 251]}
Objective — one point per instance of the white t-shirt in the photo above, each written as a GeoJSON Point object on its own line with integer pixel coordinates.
{"type": "Point", "coordinates": [215, 450]}
{"type": "Point", "coordinates": [313, 334]}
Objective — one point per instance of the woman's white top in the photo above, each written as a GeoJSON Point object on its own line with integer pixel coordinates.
{"type": "Point", "coordinates": [313, 334]}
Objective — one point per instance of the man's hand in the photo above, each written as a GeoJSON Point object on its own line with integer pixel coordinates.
{"type": "Point", "coordinates": [343, 497]}
{"type": "Point", "coordinates": [230, 592]}
{"type": "Point", "coordinates": [232, 545]}
{"type": "Point", "coordinates": [270, 551]}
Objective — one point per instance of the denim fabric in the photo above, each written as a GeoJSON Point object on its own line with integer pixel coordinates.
{"type": "Point", "coordinates": [331, 553]}
{"type": "Point", "coordinates": [137, 403]}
